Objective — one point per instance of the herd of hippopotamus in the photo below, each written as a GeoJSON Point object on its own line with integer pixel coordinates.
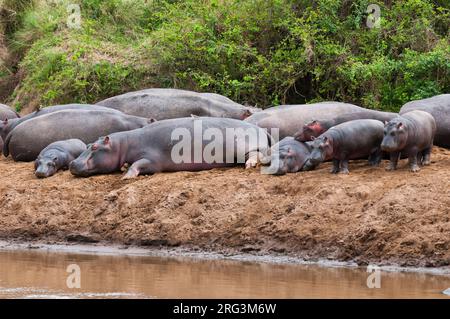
{"type": "Point", "coordinates": [133, 132]}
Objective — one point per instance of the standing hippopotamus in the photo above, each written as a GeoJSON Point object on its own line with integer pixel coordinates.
{"type": "Point", "coordinates": [57, 156]}
{"type": "Point", "coordinates": [350, 140]}
{"type": "Point", "coordinates": [439, 107]}
{"type": "Point", "coordinates": [287, 156]}
{"type": "Point", "coordinates": [8, 125]}
{"type": "Point", "coordinates": [288, 119]}
{"type": "Point", "coordinates": [164, 104]}
{"type": "Point", "coordinates": [158, 147]}
{"type": "Point", "coordinates": [6, 114]}
{"type": "Point", "coordinates": [29, 138]}
{"type": "Point", "coordinates": [318, 127]}
{"type": "Point", "coordinates": [411, 134]}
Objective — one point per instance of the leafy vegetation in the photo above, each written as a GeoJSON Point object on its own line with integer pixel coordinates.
{"type": "Point", "coordinates": [260, 52]}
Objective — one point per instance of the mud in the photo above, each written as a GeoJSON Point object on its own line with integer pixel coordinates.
{"type": "Point", "coordinates": [368, 216]}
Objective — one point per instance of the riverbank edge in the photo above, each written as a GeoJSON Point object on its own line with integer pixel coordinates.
{"type": "Point", "coordinates": [195, 253]}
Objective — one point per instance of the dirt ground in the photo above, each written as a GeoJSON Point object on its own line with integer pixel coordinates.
{"type": "Point", "coordinates": [367, 216]}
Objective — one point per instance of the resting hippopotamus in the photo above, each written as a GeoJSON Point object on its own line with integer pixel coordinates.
{"type": "Point", "coordinates": [57, 156]}
{"type": "Point", "coordinates": [411, 134]}
{"type": "Point", "coordinates": [164, 104]}
{"type": "Point", "coordinates": [29, 138]}
{"type": "Point", "coordinates": [439, 107]}
{"type": "Point", "coordinates": [8, 125]}
{"type": "Point", "coordinates": [350, 140]}
{"type": "Point", "coordinates": [6, 113]}
{"type": "Point", "coordinates": [288, 119]}
{"type": "Point", "coordinates": [158, 147]}
{"type": "Point", "coordinates": [318, 127]}
{"type": "Point", "coordinates": [287, 156]}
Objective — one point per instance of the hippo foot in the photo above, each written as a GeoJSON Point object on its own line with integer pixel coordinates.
{"type": "Point", "coordinates": [391, 168]}
{"type": "Point", "coordinates": [251, 163]}
{"type": "Point", "coordinates": [334, 170]}
{"type": "Point", "coordinates": [426, 162]}
{"type": "Point", "coordinates": [131, 173]}
{"type": "Point", "coordinates": [415, 168]}
{"type": "Point", "coordinates": [344, 171]}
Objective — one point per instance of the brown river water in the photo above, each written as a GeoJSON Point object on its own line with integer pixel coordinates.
{"type": "Point", "coordinates": [43, 274]}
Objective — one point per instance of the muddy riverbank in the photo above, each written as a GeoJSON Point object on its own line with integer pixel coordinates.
{"type": "Point", "coordinates": [369, 216]}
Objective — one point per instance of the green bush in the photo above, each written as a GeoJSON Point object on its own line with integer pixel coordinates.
{"type": "Point", "coordinates": [260, 52]}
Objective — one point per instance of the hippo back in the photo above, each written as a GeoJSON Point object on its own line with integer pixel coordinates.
{"type": "Point", "coordinates": [439, 107]}
{"type": "Point", "coordinates": [173, 103]}
{"type": "Point", "coordinates": [29, 138]}
{"type": "Point", "coordinates": [290, 118]}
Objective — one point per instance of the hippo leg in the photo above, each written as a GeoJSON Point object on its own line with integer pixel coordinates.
{"type": "Point", "coordinates": [375, 157]}
{"type": "Point", "coordinates": [253, 159]}
{"type": "Point", "coordinates": [413, 165]}
{"type": "Point", "coordinates": [344, 167]}
{"type": "Point", "coordinates": [336, 165]}
{"type": "Point", "coordinates": [426, 156]}
{"type": "Point", "coordinates": [142, 166]}
{"type": "Point", "coordinates": [393, 161]}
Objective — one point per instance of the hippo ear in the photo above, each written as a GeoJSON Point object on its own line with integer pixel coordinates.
{"type": "Point", "coordinates": [400, 125]}
{"type": "Point", "coordinates": [151, 120]}
{"type": "Point", "coordinates": [313, 138]}
{"type": "Point", "coordinates": [5, 121]}
{"type": "Point", "coordinates": [106, 140]}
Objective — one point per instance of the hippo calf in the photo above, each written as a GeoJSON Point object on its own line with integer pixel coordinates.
{"type": "Point", "coordinates": [57, 156]}
{"type": "Point", "coordinates": [317, 127]}
{"type": "Point", "coordinates": [174, 145]}
{"type": "Point", "coordinates": [287, 156]}
{"type": "Point", "coordinates": [411, 134]}
{"type": "Point", "coordinates": [439, 107]}
{"type": "Point", "coordinates": [29, 138]}
{"type": "Point", "coordinates": [350, 140]}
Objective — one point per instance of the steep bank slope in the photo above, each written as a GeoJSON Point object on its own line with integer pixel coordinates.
{"type": "Point", "coordinates": [368, 216]}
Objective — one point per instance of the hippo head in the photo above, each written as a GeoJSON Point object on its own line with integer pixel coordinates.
{"type": "Point", "coordinates": [395, 136]}
{"type": "Point", "coordinates": [99, 158]}
{"type": "Point", "coordinates": [46, 166]}
{"type": "Point", "coordinates": [286, 157]}
{"type": "Point", "coordinates": [310, 130]}
{"type": "Point", "coordinates": [321, 150]}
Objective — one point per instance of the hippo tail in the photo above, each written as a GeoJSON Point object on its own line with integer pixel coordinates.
{"type": "Point", "coordinates": [6, 145]}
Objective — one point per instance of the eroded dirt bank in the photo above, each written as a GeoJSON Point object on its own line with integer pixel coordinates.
{"type": "Point", "coordinates": [368, 216]}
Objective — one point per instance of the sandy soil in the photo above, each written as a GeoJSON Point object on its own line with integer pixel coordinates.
{"type": "Point", "coordinates": [367, 216]}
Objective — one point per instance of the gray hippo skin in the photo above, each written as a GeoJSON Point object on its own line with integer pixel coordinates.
{"type": "Point", "coordinates": [350, 140]}
{"type": "Point", "coordinates": [287, 156]}
{"type": "Point", "coordinates": [318, 127]}
{"type": "Point", "coordinates": [290, 118]}
{"type": "Point", "coordinates": [57, 156]}
{"type": "Point", "coordinates": [8, 125]}
{"type": "Point", "coordinates": [411, 134]}
{"type": "Point", "coordinates": [149, 150]}
{"type": "Point", "coordinates": [439, 107]}
{"type": "Point", "coordinates": [6, 114]}
{"type": "Point", "coordinates": [164, 104]}
{"type": "Point", "coordinates": [29, 138]}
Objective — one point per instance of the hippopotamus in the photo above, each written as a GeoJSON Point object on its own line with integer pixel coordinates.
{"type": "Point", "coordinates": [6, 113]}
{"type": "Point", "coordinates": [318, 127]}
{"type": "Point", "coordinates": [350, 140]}
{"type": "Point", "coordinates": [439, 107]}
{"type": "Point", "coordinates": [411, 134]}
{"type": "Point", "coordinates": [29, 138]}
{"type": "Point", "coordinates": [7, 125]}
{"type": "Point", "coordinates": [57, 156]}
{"type": "Point", "coordinates": [163, 104]}
{"type": "Point", "coordinates": [289, 118]}
{"type": "Point", "coordinates": [157, 147]}
{"type": "Point", "coordinates": [287, 156]}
